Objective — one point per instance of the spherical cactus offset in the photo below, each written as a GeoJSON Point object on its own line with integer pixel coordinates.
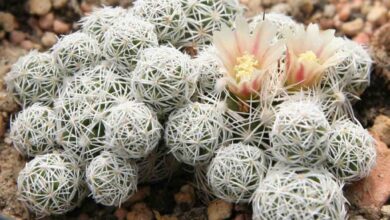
{"type": "Point", "coordinates": [298, 193]}
{"type": "Point", "coordinates": [209, 68]}
{"type": "Point", "coordinates": [194, 132]}
{"type": "Point", "coordinates": [352, 152]}
{"type": "Point", "coordinates": [33, 130]}
{"type": "Point", "coordinates": [300, 132]}
{"type": "Point", "coordinates": [203, 17]}
{"type": "Point", "coordinates": [167, 15]}
{"type": "Point", "coordinates": [105, 80]}
{"type": "Point", "coordinates": [111, 179]}
{"type": "Point", "coordinates": [359, 62]}
{"type": "Point", "coordinates": [164, 79]}
{"type": "Point", "coordinates": [100, 20]}
{"type": "Point", "coordinates": [76, 51]}
{"type": "Point", "coordinates": [132, 130]}
{"type": "Point", "coordinates": [51, 184]}
{"type": "Point", "coordinates": [236, 171]}
{"type": "Point", "coordinates": [126, 38]}
{"type": "Point", "coordinates": [282, 22]}
{"type": "Point", "coordinates": [35, 77]}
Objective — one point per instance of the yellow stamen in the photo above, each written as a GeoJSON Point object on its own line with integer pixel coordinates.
{"type": "Point", "coordinates": [245, 67]}
{"type": "Point", "coordinates": [308, 56]}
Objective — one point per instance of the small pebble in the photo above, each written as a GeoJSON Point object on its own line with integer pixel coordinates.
{"type": "Point", "coordinates": [329, 10]}
{"type": "Point", "coordinates": [17, 37]}
{"type": "Point", "coordinates": [185, 198]}
{"type": "Point", "coordinates": [352, 28]}
{"type": "Point", "coordinates": [61, 27]}
{"type": "Point", "coordinates": [140, 195]}
{"type": "Point", "coordinates": [39, 7]}
{"type": "Point", "coordinates": [120, 213]}
{"type": "Point", "coordinates": [385, 210]}
{"type": "Point", "coordinates": [8, 21]}
{"type": "Point", "coordinates": [46, 22]}
{"type": "Point", "coordinates": [27, 45]}
{"type": "Point", "coordinates": [377, 15]}
{"type": "Point", "coordinates": [49, 39]}
{"type": "Point", "coordinates": [362, 38]}
{"type": "Point", "coordinates": [140, 211]}
{"type": "Point", "coordinates": [219, 210]}
{"type": "Point", "coordinates": [345, 12]}
{"type": "Point", "coordinates": [57, 4]}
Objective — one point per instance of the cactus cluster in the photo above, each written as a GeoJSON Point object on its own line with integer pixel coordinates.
{"type": "Point", "coordinates": [262, 111]}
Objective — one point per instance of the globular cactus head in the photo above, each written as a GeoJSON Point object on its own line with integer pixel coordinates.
{"type": "Point", "coordinates": [157, 166]}
{"type": "Point", "coordinates": [111, 179]}
{"type": "Point", "coordinates": [284, 24]}
{"type": "Point", "coordinates": [249, 127]}
{"type": "Point", "coordinates": [164, 79]}
{"type": "Point", "coordinates": [101, 20]}
{"type": "Point", "coordinates": [76, 51]}
{"type": "Point", "coordinates": [300, 132]}
{"type": "Point", "coordinates": [210, 71]}
{"type": "Point", "coordinates": [236, 171]}
{"type": "Point", "coordinates": [359, 62]}
{"type": "Point", "coordinates": [352, 152]}
{"type": "Point", "coordinates": [203, 17]}
{"type": "Point", "coordinates": [298, 193]}
{"type": "Point", "coordinates": [33, 130]}
{"type": "Point", "coordinates": [194, 132]}
{"type": "Point", "coordinates": [106, 80]}
{"type": "Point", "coordinates": [167, 15]}
{"type": "Point", "coordinates": [51, 184]}
{"type": "Point", "coordinates": [124, 40]}
{"type": "Point", "coordinates": [35, 77]}
{"type": "Point", "coordinates": [83, 106]}
{"type": "Point", "coordinates": [132, 130]}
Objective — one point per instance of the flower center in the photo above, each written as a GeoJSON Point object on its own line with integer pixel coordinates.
{"type": "Point", "coordinates": [245, 67]}
{"type": "Point", "coordinates": [308, 56]}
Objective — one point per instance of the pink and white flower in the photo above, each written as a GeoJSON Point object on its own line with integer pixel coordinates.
{"type": "Point", "coordinates": [309, 53]}
{"type": "Point", "coordinates": [247, 56]}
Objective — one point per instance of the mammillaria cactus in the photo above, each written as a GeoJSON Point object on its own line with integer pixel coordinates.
{"type": "Point", "coordinates": [51, 184]}
{"type": "Point", "coordinates": [33, 130]}
{"type": "Point", "coordinates": [236, 171]}
{"type": "Point", "coordinates": [209, 68]}
{"type": "Point", "coordinates": [76, 51]}
{"type": "Point", "coordinates": [352, 152]}
{"type": "Point", "coordinates": [194, 132]}
{"type": "Point", "coordinates": [298, 193]}
{"type": "Point", "coordinates": [283, 23]}
{"type": "Point", "coordinates": [300, 132]}
{"type": "Point", "coordinates": [83, 106]}
{"type": "Point", "coordinates": [356, 77]}
{"type": "Point", "coordinates": [111, 179]}
{"type": "Point", "coordinates": [35, 77]}
{"type": "Point", "coordinates": [164, 79]}
{"type": "Point", "coordinates": [100, 20]}
{"type": "Point", "coordinates": [132, 130]}
{"type": "Point", "coordinates": [167, 16]}
{"type": "Point", "coordinates": [203, 17]}
{"type": "Point", "coordinates": [126, 38]}
{"type": "Point", "coordinates": [262, 93]}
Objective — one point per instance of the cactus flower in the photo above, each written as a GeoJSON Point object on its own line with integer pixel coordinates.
{"type": "Point", "coordinates": [247, 56]}
{"type": "Point", "coordinates": [309, 53]}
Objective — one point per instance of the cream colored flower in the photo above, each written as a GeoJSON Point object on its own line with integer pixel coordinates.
{"type": "Point", "coordinates": [247, 56]}
{"type": "Point", "coordinates": [309, 53]}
